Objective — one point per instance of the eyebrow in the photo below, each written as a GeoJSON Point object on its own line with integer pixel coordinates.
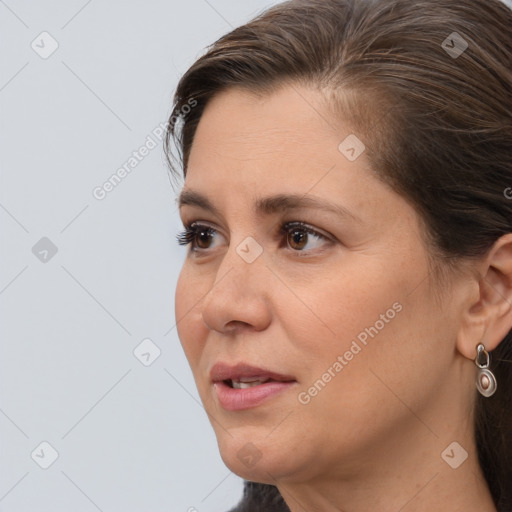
{"type": "Point", "coordinates": [286, 202]}
{"type": "Point", "coordinates": [271, 205]}
{"type": "Point", "coordinates": [191, 198]}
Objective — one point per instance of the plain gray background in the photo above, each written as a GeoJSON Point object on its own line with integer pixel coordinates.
{"type": "Point", "coordinates": [130, 432]}
{"type": "Point", "coordinates": [129, 437]}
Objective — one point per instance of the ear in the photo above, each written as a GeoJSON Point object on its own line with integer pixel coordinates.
{"type": "Point", "coordinates": [488, 316]}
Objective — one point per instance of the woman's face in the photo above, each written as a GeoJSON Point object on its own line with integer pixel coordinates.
{"type": "Point", "coordinates": [307, 270]}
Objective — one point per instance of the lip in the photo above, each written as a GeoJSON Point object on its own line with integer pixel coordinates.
{"type": "Point", "coordinates": [223, 371]}
{"type": "Point", "coordinates": [233, 399]}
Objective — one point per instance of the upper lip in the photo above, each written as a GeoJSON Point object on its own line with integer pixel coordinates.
{"type": "Point", "coordinates": [223, 371]}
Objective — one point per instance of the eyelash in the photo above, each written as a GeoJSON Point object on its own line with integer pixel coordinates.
{"type": "Point", "coordinates": [191, 231]}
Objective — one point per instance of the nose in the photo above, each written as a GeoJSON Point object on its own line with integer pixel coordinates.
{"type": "Point", "coordinates": [238, 300]}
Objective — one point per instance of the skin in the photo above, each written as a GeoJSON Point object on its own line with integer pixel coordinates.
{"type": "Point", "coordinates": [372, 438]}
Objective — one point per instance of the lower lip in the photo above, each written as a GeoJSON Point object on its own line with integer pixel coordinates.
{"type": "Point", "coordinates": [233, 399]}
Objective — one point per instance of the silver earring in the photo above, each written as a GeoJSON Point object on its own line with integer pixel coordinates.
{"type": "Point", "coordinates": [485, 381]}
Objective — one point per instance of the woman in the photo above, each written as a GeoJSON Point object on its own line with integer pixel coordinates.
{"type": "Point", "coordinates": [348, 209]}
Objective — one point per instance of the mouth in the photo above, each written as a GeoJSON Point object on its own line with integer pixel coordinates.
{"type": "Point", "coordinates": [243, 375]}
{"type": "Point", "coordinates": [247, 382]}
{"type": "Point", "coordinates": [243, 386]}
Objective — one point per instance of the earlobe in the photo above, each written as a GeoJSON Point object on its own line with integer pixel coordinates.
{"type": "Point", "coordinates": [489, 318]}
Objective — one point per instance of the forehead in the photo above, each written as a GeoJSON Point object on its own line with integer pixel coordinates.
{"type": "Point", "coordinates": [250, 146]}
{"type": "Point", "coordinates": [241, 124]}
{"type": "Point", "coordinates": [286, 137]}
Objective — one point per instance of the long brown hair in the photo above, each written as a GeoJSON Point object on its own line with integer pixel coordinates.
{"type": "Point", "coordinates": [428, 86]}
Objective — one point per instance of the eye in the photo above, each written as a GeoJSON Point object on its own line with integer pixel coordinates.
{"type": "Point", "coordinates": [200, 237]}
{"type": "Point", "coordinates": [301, 237]}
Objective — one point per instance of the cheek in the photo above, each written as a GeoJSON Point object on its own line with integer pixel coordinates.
{"type": "Point", "coordinates": [374, 319]}
{"type": "Point", "coordinates": [189, 325]}
{"type": "Point", "coordinates": [348, 301]}
{"type": "Point", "coordinates": [385, 345]}
{"type": "Point", "coordinates": [182, 297]}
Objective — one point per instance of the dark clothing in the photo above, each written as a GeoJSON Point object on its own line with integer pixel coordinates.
{"type": "Point", "coordinates": [260, 498]}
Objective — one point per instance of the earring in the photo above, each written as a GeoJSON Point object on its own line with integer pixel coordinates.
{"type": "Point", "coordinates": [485, 381]}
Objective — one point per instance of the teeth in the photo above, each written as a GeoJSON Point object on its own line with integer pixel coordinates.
{"type": "Point", "coordinates": [252, 379]}
{"type": "Point", "coordinates": [247, 382]}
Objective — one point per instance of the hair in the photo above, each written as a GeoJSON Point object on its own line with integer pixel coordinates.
{"type": "Point", "coordinates": [437, 127]}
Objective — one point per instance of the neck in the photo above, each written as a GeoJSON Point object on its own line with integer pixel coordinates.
{"type": "Point", "coordinates": [411, 476]}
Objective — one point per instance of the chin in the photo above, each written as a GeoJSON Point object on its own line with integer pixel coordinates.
{"type": "Point", "coordinates": [262, 471]}
{"type": "Point", "coordinates": [255, 457]}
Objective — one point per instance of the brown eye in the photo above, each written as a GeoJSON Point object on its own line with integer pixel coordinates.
{"type": "Point", "coordinates": [302, 237]}
{"type": "Point", "coordinates": [298, 239]}
{"type": "Point", "coordinates": [203, 238]}
{"type": "Point", "coordinates": [200, 237]}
